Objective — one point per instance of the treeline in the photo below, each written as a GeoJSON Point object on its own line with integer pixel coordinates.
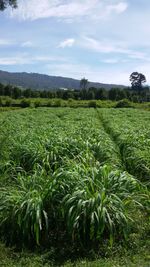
{"type": "Point", "coordinates": [92, 93]}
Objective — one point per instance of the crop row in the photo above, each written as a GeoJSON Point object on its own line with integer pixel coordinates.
{"type": "Point", "coordinates": [62, 173]}
{"type": "Point", "coordinates": [130, 129]}
{"type": "Point", "coordinates": [49, 138]}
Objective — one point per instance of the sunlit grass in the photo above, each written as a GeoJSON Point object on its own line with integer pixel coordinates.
{"type": "Point", "coordinates": [72, 172]}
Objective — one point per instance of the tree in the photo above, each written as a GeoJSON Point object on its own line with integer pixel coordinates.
{"type": "Point", "coordinates": [27, 93]}
{"type": "Point", "coordinates": [83, 84]}
{"type": "Point", "coordinates": [101, 94]}
{"type": "Point", "coordinates": [5, 3]}
{"type": "Point", "coordinates": [8, 90]}
{"type": "Point", "coordinates": [17, 92]}
{"type": "Point", "coordinates": [137, 79]}
{"type": "Point", "coordinates": [113, 94]}
{"type": "Point", "coordinates": [1, 89]}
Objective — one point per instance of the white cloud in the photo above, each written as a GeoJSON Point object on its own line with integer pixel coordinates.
{"type": "Point", "coordinates": [27, 44]}
{"type": "Point", "coordinates": [110, 61]}
{"type": "Point", "coordinates": [49, 58]}
{"type": "Point", "coordinates": [4, 42]}
{"type": "Point", "coordinates": [34, 9]}
{"type": "Point", "coordinates": [18, 60]}
{"type": "Point", "coordinates": [117, 8]}
{"type": "Point", "coordinates": [104, 46]}
{"type": "Point", "coordinates": [67, 43]}
{"type": "Point", "coordinates": [65, 9]}
{"type": "Point", "coordinates": [111, 47]}
{"type": "Point", "coordinates": [139, 56]}
{"type": "Point", "coordinates": [96, 45]}
{"type": "Point", "coordinates": [8, 42]}
{"type": "Point", "coordinates": [111, 36]}
{"type": "Point", "coordinates": [22, 59]}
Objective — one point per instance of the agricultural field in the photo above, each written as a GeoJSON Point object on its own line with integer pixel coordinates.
{"type": "Point", "coordinates": [75, 181]}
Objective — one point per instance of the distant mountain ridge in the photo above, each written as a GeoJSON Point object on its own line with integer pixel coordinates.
{"type": "Point", "coordinates": [38, 81]}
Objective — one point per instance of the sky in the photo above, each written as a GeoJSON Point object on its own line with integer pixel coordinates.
{"type": "Point", "coordinates": [101, 40]}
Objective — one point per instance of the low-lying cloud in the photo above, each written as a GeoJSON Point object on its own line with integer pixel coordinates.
{"type": "Point", "coordinates": [64, 9]}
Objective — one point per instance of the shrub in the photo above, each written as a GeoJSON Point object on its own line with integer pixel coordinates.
{"type": "Point", "coordinates": [8, 102]}
{"type": "Point", "coordinates": [57, 103]}
{"type": "Point", "coordinates": [49, 103]}
{"type": "Point", "coordinates": [1, 103]}
{"type": "Point", "coordinates": [25, 103]}
{"type": "Point", "coordinates": [37, 103]}
{"type": "Point", "coordinates": [124, 103]}
{"type": "Point", "coordinates": [92, 104]}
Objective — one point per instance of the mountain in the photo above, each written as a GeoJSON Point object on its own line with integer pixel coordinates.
{"type": "Point", "coordinates": [45, 82]}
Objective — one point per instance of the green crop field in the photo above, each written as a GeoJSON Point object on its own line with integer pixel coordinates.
{"type": "Point", "coordinates": [75, 180]}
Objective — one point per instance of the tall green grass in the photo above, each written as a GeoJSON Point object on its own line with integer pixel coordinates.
{"type": "Point", "coordinates": [101, 205]}
{"type": "Point", "coordinates": [130, 129]}
{"type": "Point", "coordinates": [62, 174]}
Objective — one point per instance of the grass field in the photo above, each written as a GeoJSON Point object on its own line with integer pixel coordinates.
{"type": "Point", "coordinates": [75, 183]}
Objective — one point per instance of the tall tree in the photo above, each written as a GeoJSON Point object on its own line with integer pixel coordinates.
{"type": "Point", "coordinates": [5, 3]}
{"type": "Point", "coordinates": [83, 84]}
{"type": "Point", "coordinates": [137, 79]}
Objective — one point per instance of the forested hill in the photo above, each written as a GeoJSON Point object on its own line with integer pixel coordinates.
{"type": "Point", "coordinates": [45, 82]}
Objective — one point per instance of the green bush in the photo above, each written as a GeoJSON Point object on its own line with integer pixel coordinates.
{"type": "Point", "coordinates": [1, 103]}
{"type": "Point", "coordinates": [124, 103]}
{"type": "Point", "coordinates": [49, 103]}
{"type": "Point", "coordinates": [57, 103]}
{"type": "Point", "coordinates": [8, 102]}
{"type": "Point", "coordinates": [92, 104]}
{"type": "Point", "coordinates": [25, 103]}
{"type": "Point", "coordinates": [37, 103]}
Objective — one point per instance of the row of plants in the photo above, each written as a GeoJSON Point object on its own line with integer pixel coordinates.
{"type": "Point", "coordinates": [130, 129]}
{"type": "Point", "coordinates": [27, 132]}
{"type": "Point", "coordinates": [62, 178]}
{"type": "Point", "coordinates": [6, 102]}
{"type": "Point", "coordinates": [56, 102]}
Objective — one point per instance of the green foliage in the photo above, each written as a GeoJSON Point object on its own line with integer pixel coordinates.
{"type": "Point", "coordinates": [120, 258]}
{"type": "Point", "coordinates": [5, 3]}
{"type": "Point", "coordinates": [37, 103]}
{"type": "Point", "coordinates": [130, 130]}
{"type": "Point", "coordinates": [8, 102]}
{"type": "Point", "coordinates": [64, 174]}
{"type": "Point", "coordinates": [137, 79]}
{"type": "Point", "coordinates": [1, 102]}
{"type": "Point", "coordinates": [57, 103]}
{"type": "Point", "coordinates": [25, 103]}
{"type": "Point", "coordinates": [92, 104]}
{"type": "Point", "coordinates": [83, 84]}
{"type": "Point", "coordinates": [125, 103]}
{"type": "Point", "coordinates": [22, 209]}
{"type": "Point", "coordinates": [100, 206]}
{"type": "Point", "coordinates": [49, 103]}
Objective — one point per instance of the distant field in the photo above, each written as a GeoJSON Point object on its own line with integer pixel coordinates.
{"type": "Point", "coordinates": [75, 177]}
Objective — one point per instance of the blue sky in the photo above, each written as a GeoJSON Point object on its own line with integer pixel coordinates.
{"type": "Point", "coordinates": [102, 40]}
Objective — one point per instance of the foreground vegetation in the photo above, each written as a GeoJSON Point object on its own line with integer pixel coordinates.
{"type": "Point", "coordinates": [11, 258]}
{"type": "Point", "coordinates": [74, 182]}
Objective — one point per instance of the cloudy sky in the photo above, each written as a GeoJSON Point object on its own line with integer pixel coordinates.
{"type": "Point", "coordinates": [102, 40]}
